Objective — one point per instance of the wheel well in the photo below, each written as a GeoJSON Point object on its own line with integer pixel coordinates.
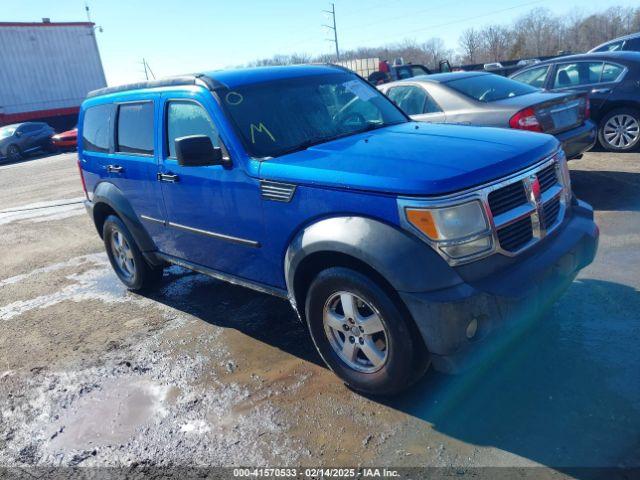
{"type": "Point", "coordinates": [100, 213]}
{"type": "Point", "coordinates": [617, 106]}
{"type": "Point", "coordinates": [313, 264]}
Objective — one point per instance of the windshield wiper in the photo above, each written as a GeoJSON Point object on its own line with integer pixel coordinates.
{"type": "Point", "coordinates": [304, 145]}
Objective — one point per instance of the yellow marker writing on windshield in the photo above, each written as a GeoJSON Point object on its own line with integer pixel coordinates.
{"type": "Point", "coordinates": [260, 128]}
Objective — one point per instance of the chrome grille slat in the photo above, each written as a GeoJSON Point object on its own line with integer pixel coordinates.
{"type": "Point", "coordinates": [507, 198]}
{"type": "Point", "coordinates": [516, 235]}
{"type": "Point", "coordinates": [521, 217]}
{"type": "Point", "coordinates": [547, 178]}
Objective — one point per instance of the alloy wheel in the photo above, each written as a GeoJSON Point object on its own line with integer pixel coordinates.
{"type": "Point", "coordinates": [13, 153]}
{"type": "Point", "coordinates": [123, 255]}
{"type": "Point", "coordinates": [356, 332]}
{"type": "Point", "coordinates": [621, 131]}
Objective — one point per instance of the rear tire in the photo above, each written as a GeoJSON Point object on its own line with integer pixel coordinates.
{"type": "Point", "coordinates": [619, 130]}
{"type": "Point", "coordinates": [362, 335]}
{"type": "Point", "coordinates": [126, 259]}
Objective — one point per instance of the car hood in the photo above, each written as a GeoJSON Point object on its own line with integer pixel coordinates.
{"type": "Point", "coordinates": [413, 159]}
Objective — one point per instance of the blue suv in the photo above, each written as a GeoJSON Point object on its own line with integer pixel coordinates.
{"type": "Point", "coordinates": [399, 244]}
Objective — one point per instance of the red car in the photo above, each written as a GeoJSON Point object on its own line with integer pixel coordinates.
{"type": "Point", "coordinates": [66, 140]}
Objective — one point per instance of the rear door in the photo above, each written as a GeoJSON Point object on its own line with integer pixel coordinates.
{"type": "Point", "coordinates": [133, 165]}
{"type": "Point", "coordinates": [416, 102]}
{"type": "Point", "coordinates": [595, 78]}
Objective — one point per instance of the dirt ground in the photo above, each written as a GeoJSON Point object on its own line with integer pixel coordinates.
{"type": "Point", "coordinates": [204, 373]}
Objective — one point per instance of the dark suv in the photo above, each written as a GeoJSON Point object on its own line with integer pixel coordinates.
{"type": "Point", "coordinates": [399, 244]}
{"type": "Point", "coordinates": [612, 81]}
{"type": "Point", "coordinates": [20, 139]}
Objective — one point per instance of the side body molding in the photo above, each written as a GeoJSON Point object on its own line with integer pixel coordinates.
{"type": "Point", "coordinates": [112, 196]}
{"type": "Point", "coordinates": [406, 262]}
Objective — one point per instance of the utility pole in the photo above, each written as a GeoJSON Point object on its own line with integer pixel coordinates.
{"type": "Point", "coordinates": [335, 30]}
{"type": "Point", "coordinates": [86, 9]}
{"type": "Point", "coordinates": [146, 73]}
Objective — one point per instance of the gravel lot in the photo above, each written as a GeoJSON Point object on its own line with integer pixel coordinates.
{"type": "Point", "coordinates": [205, 373]}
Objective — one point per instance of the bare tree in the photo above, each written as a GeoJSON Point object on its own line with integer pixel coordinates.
{"type": "Point", "coordinates": [536, 34]}
{"type": "Point", "coordinates": [471, 44]}
{"type": "Point", "coordinates": [495, 42]}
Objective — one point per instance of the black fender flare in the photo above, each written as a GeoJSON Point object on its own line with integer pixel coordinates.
{"type": "Point", "coordinates": [407, 263]}
{"type": "Point", "coordinates": [112, 196]}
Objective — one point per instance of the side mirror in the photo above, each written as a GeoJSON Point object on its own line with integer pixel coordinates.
{"type": "Point", "coordinates": [197, 151]}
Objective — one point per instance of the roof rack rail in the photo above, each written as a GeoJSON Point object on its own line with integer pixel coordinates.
{"type": "Point", "coordinates": [163, 82]}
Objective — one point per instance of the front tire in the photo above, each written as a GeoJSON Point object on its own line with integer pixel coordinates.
{"type": "Point", "coordinates": [619, 130]}
{"type": "Point", "coordinates": [361, 334]}
{"type": "Point", "coordinates": [13, 153]}
{"type": "Point", "coordinates": [125, 257]}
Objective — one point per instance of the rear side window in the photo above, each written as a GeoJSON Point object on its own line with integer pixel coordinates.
{"type": "Point", "coordinates": [490, 88]}
{"type": "Point", "coordinates": [611, 72]}
{"type": "Point", "coordinates": [413, 100]}
{"type": "Point", "coordinates": [535, 77]}
{"type": "Point", "coordinates": [611, 47]}
{"type": "Point", "coordinates": [633, 45]}
{"type": "Point", "coordinates": [135, 128]}
{"type": "Point", "coordinates": [579, 73]}
{"type": "Point", "coordinates": [96, 128]}
{"type": "Point", "coordinates": [188, 118]}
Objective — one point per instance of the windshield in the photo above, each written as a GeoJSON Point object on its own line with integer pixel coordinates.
{"type": "Point", "coordinates": [7, 131]}
{"type": "Point", "coordinates": [490, 88]}
{"type": "Point", "coordinates": [282, 116]}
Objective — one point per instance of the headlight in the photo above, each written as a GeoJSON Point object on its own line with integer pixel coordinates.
{"type": "Point", "coordinates": [459, 231]}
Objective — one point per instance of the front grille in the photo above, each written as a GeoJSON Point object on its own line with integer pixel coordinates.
{"type": "Point", "coordinates": [551, 211]}
{"type": "Point", "coordinates": [507, 198]}
{"type": "Point", "coordinates": [516, 235]}
{"type": "Point", "coordinates": [547, 178]}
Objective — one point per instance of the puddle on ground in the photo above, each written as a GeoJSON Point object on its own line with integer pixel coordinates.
{"type": "Point", "coordinates": [112, 414]}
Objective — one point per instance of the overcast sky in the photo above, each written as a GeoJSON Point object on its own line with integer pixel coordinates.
{"type": "Point", "coordinates": [181, 36]}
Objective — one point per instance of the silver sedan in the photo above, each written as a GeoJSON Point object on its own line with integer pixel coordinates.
{"type": "Point", "coordinates": [485, 99]}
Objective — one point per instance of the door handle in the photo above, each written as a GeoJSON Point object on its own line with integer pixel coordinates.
{"type": "Point", "coordinates": [167, 177]}
{"type": "Point", "coordinates": [115, 169]}
{"type": "Point", "coordinates": [601, 90]}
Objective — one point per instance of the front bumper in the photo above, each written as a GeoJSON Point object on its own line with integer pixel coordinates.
{"type": "Point", "coordinates": [578, 140]}
{"type": "Point", "coordinates": [507, 297]}
{"type": "Point", "coordinates": [64, 143]}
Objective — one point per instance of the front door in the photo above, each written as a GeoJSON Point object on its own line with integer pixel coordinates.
{"type": "Point", "coordinates": [213, 212]}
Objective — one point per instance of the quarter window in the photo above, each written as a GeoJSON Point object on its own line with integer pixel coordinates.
{"type": "Point", "coordinates": [188, 118]}
{"type": "Point", "coordinates": [135, 128]}
{"type": "Point", "coordinates": [96, 128]}
{"type": "Point", "coordinates": [611, 72]}
{"type": "Point", "coordinates": [536, 77]}
{"type": "Point", "coordinates": [576, 74]}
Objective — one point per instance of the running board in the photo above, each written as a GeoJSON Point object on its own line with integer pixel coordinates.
{"type": "Point", "coordinates": [225, 277]}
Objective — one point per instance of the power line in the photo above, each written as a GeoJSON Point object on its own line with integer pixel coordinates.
{"type": "Point", "coordinates": [462, 20]}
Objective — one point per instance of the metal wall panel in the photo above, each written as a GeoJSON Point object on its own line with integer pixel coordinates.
{"type": "Point", "coordinates": [47, 66]}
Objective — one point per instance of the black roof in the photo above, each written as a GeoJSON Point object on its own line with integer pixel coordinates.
{"type": "Point", "coordinates": [191, 79]}
{"type": "Point", "coordinates": [613, 56]}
